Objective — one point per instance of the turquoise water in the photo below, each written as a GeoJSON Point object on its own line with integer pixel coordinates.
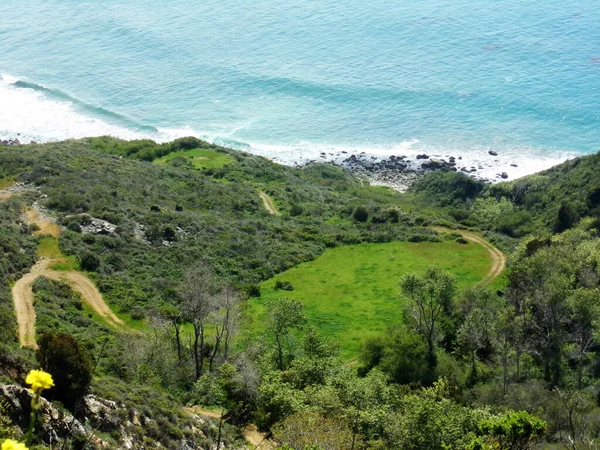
{"type": "Point", "coordinates": [293, 79]}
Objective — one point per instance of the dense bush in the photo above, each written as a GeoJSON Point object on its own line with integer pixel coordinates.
{"type": "Point", "coordinates": [70, 365]}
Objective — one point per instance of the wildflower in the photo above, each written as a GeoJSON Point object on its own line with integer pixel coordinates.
{"type": "Point", "coordinates": [9, 444]}
{"type": "Point", "coordinates": [39, 380]}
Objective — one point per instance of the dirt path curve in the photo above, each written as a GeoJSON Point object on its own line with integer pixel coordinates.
{"type": "Point", "coordinates": [268, 203]}
{"type": "Point", "coordinates": [22, 292]}
{"type": "Point", "coordinates": [498, 258]}
{"type": "Point", "coordinates": [254, 437]}
{"type": "Point", "coordinates": [89, 293]}
{"type": "Point", "coordinates": [23, 300]}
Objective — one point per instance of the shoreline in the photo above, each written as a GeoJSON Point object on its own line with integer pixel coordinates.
{"type": "Point", "coordinates": [399, 172]}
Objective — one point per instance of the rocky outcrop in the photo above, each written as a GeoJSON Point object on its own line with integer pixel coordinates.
{"type": "Point", "coordinates": [398, 172]}
{"type": "Point", "coordinates": [55, 425]}
{"type": "Point", "coordinates": [98, 226]}
{"type": "Point", "coordinates": [130, 428]}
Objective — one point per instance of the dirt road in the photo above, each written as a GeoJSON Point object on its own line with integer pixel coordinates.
{"type": "Point", "coordinates": [268, 203]}
{"type": "Point", "coordinates": [498, 258]}
{"type": "Point", "coordinates": [46, 226]}
{"type": "Point", "coordinates": [22, 290]}
{"type": "Point", "coordinates": [23, 300]}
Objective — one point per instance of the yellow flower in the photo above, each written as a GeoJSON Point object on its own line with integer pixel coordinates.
{"type": "Point", "coordinates": [39, 380]}
{"type": "Point", "coordinates": [9, 444]}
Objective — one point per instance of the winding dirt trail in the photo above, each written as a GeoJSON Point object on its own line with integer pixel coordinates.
{"type": "Point", "coordinates": [498, 258]}
{"type": "Point", "coordinates": [268, 203]}
{"type": "Point", "coordinates": [22, 292]}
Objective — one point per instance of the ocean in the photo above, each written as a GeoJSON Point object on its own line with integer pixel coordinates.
{"type": "Point", "coordinates": [298, 80]}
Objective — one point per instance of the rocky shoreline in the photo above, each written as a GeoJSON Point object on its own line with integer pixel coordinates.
{"type": "Point", "coordinates": [399, 172]}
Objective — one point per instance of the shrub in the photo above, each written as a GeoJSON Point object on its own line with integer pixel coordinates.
{"type": "Point", "coordinates": [89, 261]}
{"type": "Point", "coordinates": [296, 210]}
{"type": "Point", "coordinates": [70, 365]}
{"type": "Point", "coordinates": [253, 290]}
{"type": "Point", "coordinates": [360, 214]}
{"type": "Point", "coordinates": [283, 285]}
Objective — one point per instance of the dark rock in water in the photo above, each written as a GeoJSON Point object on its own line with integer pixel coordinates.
{"type": "Point", "coordinates": [493, 153]}
{"type": "Point", "coordinates": [344, 151]}
{"type": "Point", "coordinates": [504, 175]}
{"type": "Point", "coordinates": [513, 165]}
{"type": "Point", "coordinates": [460, 157]}
{"type": "Point", "coordinates": [373, 157]}
{"type": "Point", "coordinates": [422, 156]}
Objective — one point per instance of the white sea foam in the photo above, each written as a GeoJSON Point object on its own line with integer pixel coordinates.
{"type": "Point", "coordinates": [34, 116]}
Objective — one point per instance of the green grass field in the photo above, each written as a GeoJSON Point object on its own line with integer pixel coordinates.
{"type": "Point", "coordinates": [48, 248]}
{"type": "Point", "coordinates": [200, 158]}
{"type": "Point", "coordinates": [352, 292]}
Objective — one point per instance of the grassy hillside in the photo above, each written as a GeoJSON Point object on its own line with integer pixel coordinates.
{"type": "Point", "coordinates": [550, 201]}
{"type": "Point", "coordinates": [169, 217]}
{"type": "Point", "coordinates": [160, 228]}
{"type": "Point", "coordinates": [351, 293]}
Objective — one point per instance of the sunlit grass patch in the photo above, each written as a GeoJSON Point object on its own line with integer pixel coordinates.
{"type": "Point", "coordinates": [200, 158]}
{"type": "Point", "coordinates": [351, 292]}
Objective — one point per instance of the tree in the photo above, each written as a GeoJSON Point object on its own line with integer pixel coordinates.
{"type": "Point", "coordinates": [198, 292]}
{"type": "Point", "coordinates": [585, 307]}
{"type": "Point", "coordinates": [566, 217]}
{"type": "Point", "coordinates": [430, 302]}
{"type": "Point", "coordinates": [471, 338]}
{"type": "Point", "coordinates": [404, 358]}
{"type": "Point", "coordinates": [226, 318]}
{"type": "Point", "coordinates": [513, 430]}
{"type": "Point", "coordinates": [429, 419]}
{"type": "Point", "coordinates": [70, 365]}
{"type": "Point", "coordinates": [285, 314]}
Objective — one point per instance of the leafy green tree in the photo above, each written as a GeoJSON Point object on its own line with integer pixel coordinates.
{"type": "Point", "coordinates": [429, 419]}
{"type": "Point", "coordinates": [404, 358]}
{"type": "Point", "coordinates": [285, 315]}
{"type": "Point", "coordinates": [430, 303]}
{"type": "Point", "coordinates": [513, 430]}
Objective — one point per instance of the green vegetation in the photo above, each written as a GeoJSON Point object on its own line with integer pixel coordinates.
{"type": "Point", "coordinates": [198, 158]}
{"type": "Point", "coordinates": [550, 201]}
{"type": "Point", "coordinates": [350, 293]}
{"type": "Point", "coordinates": [257, 314]}
{"type": "Point", "coordinates": [48, 248]}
